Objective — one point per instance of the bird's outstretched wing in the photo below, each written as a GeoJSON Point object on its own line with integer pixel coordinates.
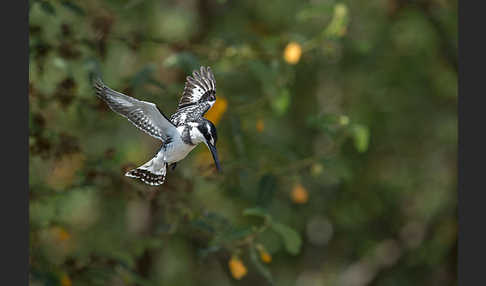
{"type": "Point", "coordinates": [144, 115]}
{"type": "Point", "coordinates": [199, 88]}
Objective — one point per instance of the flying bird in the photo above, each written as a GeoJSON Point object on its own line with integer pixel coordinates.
{"type": "Point", "coordinates": [180, 133]}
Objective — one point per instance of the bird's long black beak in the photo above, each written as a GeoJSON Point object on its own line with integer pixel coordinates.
{"type": "Point", "coordinates": [214, 152]}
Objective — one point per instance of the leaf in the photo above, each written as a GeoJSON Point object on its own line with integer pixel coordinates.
{"type": "Point", "coordinates": [266, 190]}
{"type": "Point", "coordinates": [291, 238]}
{"type": "Point", "coordinates": [229, 235]}
{"type": "Point", "coordinates": [236, 233]}
{"type": "Point", "coordinates": [260, 212]}
{"type": "Point", "coordinates": [361, 136]}
{"type": "Point", "coordinates": [262, 269]}
{"type": "Point", "coordinates": [281, 103]}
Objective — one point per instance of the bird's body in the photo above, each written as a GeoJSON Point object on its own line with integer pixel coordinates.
{"type": "Point", "coordinates": [185, 129]}
{"type": "Point", "coordinates": [176, 150]}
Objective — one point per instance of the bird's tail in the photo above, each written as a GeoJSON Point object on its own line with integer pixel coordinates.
{"type": "Point", "coordinates": [149, 173]}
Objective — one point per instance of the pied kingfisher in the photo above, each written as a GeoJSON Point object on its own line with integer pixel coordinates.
{"type": "Point", "coordinates": [185, 129]}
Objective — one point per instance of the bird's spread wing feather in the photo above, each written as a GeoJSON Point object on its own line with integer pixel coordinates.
{"type": "Point", "coordinates": [199, 88]}
{"type": "Point", "coordinates": [144, 115]}
{"type": "Point", "coordinates": [189, 113]}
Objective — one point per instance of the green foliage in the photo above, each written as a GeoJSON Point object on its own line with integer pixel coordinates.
{"type": "Point", "coordinates": [337, 137]}
{"type": "Point", "coordinates": [266, 190]}
{"type": "Point", "coordinates": [262, 269]}
{"type": "Point", "coordinates": [281, 102]}
{"type": "Point", "coordinates": [361, 136]}
{"type": "Point", "coordinates": [291, 238]}
{"type": "Point", "coordinates": [259, 212]}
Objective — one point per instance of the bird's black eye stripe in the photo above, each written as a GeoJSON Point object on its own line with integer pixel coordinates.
{"type": "Point", "coordinates": [207, 133]}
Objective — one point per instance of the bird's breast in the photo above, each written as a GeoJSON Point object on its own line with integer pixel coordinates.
{"type": "Point", "coordinates": [177, 151]}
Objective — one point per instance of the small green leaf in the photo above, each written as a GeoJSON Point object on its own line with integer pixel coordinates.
{"type": "Point", "coordinates": [361, 135]}
{"type": "Point", "coordinates": [260, 212]}
{"type": "Point", "coordinates": [291, 238]}
{"type": "Point", "coordinates": [259, 266]}
{"type": "Point", "coordinates": [281, 103]}
{"type": "Point", "coordinates": [236, 233]}
{"type": "Point", "coordinates": [230, 234]}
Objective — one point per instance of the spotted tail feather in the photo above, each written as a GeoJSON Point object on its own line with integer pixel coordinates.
{"type": "Point", "coordinates": [148, 176]}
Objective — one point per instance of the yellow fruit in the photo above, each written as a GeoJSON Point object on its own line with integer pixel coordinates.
{"type": "Point", "coordinates": [299, 194]}
{"type": "Point", "coordinates": [265, 256]}
{"type": "Point", "coordinates": [237, 268]}
{"type": "Point", "coordinates": [292, 53]}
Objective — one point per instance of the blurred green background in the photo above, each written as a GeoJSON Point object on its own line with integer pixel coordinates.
{"type": "Point", "coordinates": [337, 130]}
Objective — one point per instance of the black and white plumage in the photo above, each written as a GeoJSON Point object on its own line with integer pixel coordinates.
{"type": "Point", "coordinates": [185, 129]}
{"type": "Point", "coordinates": [198, 97]}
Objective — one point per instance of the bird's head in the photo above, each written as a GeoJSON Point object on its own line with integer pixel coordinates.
{"type": "Point", "coordinates": [209, 136]}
